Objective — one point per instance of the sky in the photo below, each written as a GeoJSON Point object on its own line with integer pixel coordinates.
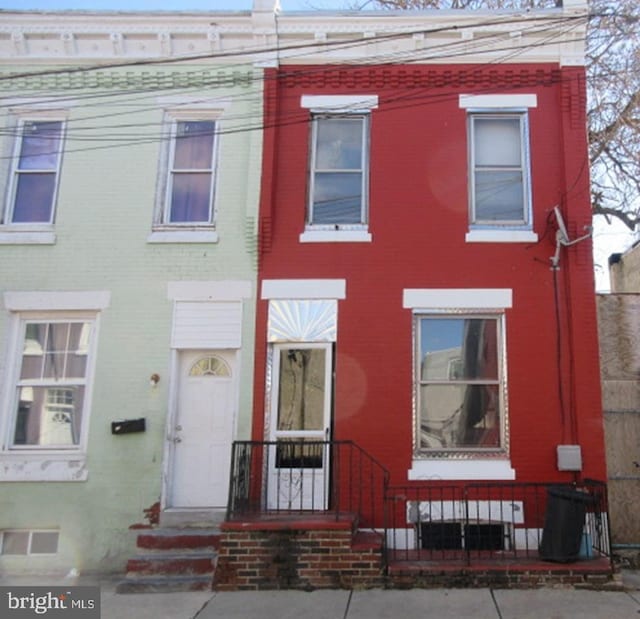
{"type": "Point", "coordinates": [608, 239]}
{"type": "Point", "coordinates": [152, 5]}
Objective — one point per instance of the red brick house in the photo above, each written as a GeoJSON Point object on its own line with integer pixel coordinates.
{"type": "Point", "coordinates": [415, 295]}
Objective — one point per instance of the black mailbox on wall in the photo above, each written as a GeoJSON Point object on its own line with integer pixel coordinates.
{"type": "Point", "coordinates": [128, 426]}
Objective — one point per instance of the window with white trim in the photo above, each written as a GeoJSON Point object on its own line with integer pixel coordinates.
{"type": "Point", "coordinates": [49, 407]}
{"type": "Point", "coordinates": [185, 202]}
{"type": "Point", "coordinates": [459, 383]}
{"type": "Point", "coordinates": [191, 173]}
{"type": "Point", "coordinates": [35, 170]}
{"type": "Point", "coordinates": [29, 542]}
{"type": "Point", "coordinates": [499, 169]}
{"type": "Point", "coordinates": [339, 171]}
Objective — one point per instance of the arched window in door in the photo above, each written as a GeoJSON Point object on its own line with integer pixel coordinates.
{"type": "Point", "coordinates": [210, 366]}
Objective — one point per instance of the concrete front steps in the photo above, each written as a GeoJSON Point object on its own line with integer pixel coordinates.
{"type": "Point", "coordinates": [172, 559]}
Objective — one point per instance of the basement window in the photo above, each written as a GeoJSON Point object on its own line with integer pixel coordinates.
{"type": "Point", "coordinates": [456, 536]}
{"type": "Point", "coordinates": [29, 542]}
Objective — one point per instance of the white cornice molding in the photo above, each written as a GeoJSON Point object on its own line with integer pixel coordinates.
{"type": "Point", "coordinates": [471, 36]}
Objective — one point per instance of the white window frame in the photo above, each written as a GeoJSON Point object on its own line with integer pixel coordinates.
{"type": "Point", "coordinates": [501, 106]}
{"type": "Point", "coordinates": [27, 462]}
{"type": "Point", "coordinates": [30, 232]}
{"type": "Point", "coordinates": [339, 106]}
{"type": "Point", "coordinates": [461, 464]}
{"type": "Point", "coordinates": [163, 230]}
{"type": "Point", "coordinates": [363, 171]}
{"type": "Point", "coordinates": [29, 533]}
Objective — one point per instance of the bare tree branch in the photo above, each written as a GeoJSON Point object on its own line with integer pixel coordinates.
{"type": "Point", "coordinates": [613, 82]}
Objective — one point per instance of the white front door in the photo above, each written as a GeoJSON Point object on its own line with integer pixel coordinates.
{"type": "Point", "coordinates": [299, 463]}
{"type": "Point", "coordinates": [203, 430]}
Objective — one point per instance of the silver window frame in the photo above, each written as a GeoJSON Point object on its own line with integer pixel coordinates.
{"type": "Point", "coordinates": [461, 453]}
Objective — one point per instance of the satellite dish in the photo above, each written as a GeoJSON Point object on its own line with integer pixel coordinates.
{"type": "Point", "coordinates": [562, 238]}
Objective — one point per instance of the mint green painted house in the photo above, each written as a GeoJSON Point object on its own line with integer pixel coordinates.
{"type": "Point", "coordinates": [130, 162]}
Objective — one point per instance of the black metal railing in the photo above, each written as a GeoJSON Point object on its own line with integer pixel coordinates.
{"type": "Point", "coordinates": [436, 521]}
{"type": "Point", "coordinates": [301, 476]}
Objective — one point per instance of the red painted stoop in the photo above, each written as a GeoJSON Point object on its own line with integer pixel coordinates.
{"type": "Point", "coordinates": [172, 559]}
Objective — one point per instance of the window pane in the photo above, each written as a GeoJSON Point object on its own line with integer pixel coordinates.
{"type": "Point", "coordinates": [55, 351]}
{"type": "Point", "coordinates": [15, 542]}
{"type": "Point", "coordinates": [453, 416]}
{"type": "Point", "coordinates": [458, 349]}
{"type": "Point", "coordinates": [44, 542]}
{"type": "Point", "coordinates": [57, 337]}
{"type": "Point", "coordinates": [34, 197]}
{"type": "Point", "coordinates": [40, 146]}
{"type": "Point", "coordinates": [299, 453]}
{"type": "Point", "coordinates": [339, 144]}
{"type": "Point", "coordinates": [301, 396]}
{"type": "Point", "coordinates": [337, 198]}
{"type": "Point", "coordinates": [33, 350]}
{"type": "Point", "coordinates": [194, 145]}
{"type": "Point", "coordinates": [49, 416]}
{"type": "Point", "coordinates": [499, 196]}
{"type": "Point", "coordinates": [497, 142]}
{"type": "Point", "coordinates": [190, 198]}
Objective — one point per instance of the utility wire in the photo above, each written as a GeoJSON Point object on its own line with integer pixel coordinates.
{"type": "Point", "coordinates": [333, 45]}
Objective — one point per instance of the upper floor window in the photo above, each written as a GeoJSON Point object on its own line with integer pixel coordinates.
{"type": "Point", "coordinates": [338, 194]}
{"type": "Point", "coordinates": [191, 173]}
{"type": "Point", "coordinates": [499, 169]}
{"type": "Point", "coordinates": [339, 170]}
{"type": "Point", "coordinates": [500, 204]}
{"type": "Point", "coordinates": [35, 171]}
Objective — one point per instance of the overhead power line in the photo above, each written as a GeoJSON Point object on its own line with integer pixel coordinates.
{"type": "Point", "coordinates": [315, 45]}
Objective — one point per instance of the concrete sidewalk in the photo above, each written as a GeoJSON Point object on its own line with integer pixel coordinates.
{"type": "Point", "coordinates": [552, 603]}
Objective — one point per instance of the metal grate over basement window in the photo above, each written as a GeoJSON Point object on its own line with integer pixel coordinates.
{"type": "Point", "coordinates": [456, 536]}
{"type": "Point", "coordinates": [29, 542]}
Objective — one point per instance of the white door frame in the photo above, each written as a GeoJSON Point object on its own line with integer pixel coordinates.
{"type": "Point", "coordinates": [305, 477]}
{"type": "Point", "coordinates": [172, 413]}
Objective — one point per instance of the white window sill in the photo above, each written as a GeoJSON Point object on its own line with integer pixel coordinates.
{"type": "Point", "coordinates": [477, 468]}
{"type": "Point", "coordinates": [10, 236]}
{"type": "Point", "coordinates": [335, 236]}
{"type": "Point", "coordinates": [501, 236]}
{"type": "Point", "coordinates": [183, 236]}
{"type": "Point", "coordinates": [43, 467]}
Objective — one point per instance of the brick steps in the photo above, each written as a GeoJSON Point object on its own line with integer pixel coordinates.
{"type": "Point", "coordinates": [172, 559]}
{"type": "Point", "coordinates": [179, 537]}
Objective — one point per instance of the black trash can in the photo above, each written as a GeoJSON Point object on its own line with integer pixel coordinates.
{"type": "Point", "coordinates": [563, 524]}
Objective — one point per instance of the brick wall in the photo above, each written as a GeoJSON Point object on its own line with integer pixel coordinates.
{"type": "Point", "coordinates": [258, 557]}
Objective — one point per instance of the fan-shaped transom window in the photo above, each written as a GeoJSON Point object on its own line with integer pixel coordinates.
{"type": "Point", "coordinates": [210, 366]}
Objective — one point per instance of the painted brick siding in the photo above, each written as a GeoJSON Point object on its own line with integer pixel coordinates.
{"type": "Point", "coordinates": [104, 216]}
{"type": "Point", "coordinates": [418, 209]}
